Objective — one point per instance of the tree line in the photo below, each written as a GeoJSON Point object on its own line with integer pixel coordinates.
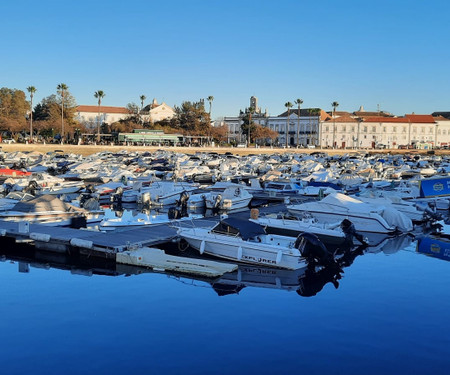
{"type": "Point", "coordinates": [55, 117]}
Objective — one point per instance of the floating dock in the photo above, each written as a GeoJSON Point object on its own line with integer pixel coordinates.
{"type": "Point", "coordinates": [90, 242]}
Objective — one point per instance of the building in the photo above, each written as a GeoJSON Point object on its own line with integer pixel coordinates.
{"type": "Point", "coordinates": [300, 129]}
{"type": "Point", "coordinates": [155, 112]}
{"type": "Point", "coordinates": [234, 123]}
{"type": "Point", "coordinates": [88, 115]}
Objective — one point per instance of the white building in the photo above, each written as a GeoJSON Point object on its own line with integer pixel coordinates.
{"type": "Point", "coordinates": [157, 112]}
{"type": "Point", "coordinates": [89, 115]}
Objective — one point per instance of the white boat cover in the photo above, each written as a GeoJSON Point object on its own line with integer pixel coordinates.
{"type": "Point", "coordinates": [392, 216]}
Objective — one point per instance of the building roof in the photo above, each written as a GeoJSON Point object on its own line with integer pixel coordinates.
{"type": "Point", "coordinates": [386, 119]}
{"type": "Point", "coordinates": [440, 118]}
{"type": "Point", "coordinates": [424, 119]}
{"type": "Point", "coordinates": [371, 114]}
{"type": "Point", "coordinates": [304, 112]}
{"type": "Point", "coordinates": [103, 109]}
{"type": "Point", "coordinates": [341, 119]}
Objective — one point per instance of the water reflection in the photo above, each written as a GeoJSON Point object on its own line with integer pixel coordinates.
{"type": "Point", "coordinates": [434, 246]}
{"type": "Point", "coordinates": [307, 281]}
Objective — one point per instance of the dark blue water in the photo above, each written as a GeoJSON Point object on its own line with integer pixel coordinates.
{"type": "Point", "coordinates": [389, 315]}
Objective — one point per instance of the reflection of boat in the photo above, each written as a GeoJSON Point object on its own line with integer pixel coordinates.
{"type": "Point", "coordinates": [259, 277]}
{"type": "Point", "coordinates": [390, 245]}
{"type": "Point", "coordinates": [436, 247]}
{"type": "Point", "coordinates": [244, 241]}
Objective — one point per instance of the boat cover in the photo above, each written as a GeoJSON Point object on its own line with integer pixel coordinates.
{"type": "Point", "coordinates": [45, 203]}
{"type": "Point", "coordinates": [246, 228]}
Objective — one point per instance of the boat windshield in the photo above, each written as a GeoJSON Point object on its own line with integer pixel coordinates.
{"type": "Point", "coordinates": [223, 228]}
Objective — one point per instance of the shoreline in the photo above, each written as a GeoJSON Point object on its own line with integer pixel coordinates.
{"type": "Point", "coordinates": [87, 150]}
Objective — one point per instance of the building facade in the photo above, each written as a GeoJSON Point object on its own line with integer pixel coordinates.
{"type": "Point", "coordinates": [92, 115]}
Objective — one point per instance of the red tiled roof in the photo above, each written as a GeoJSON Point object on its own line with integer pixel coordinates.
{"type": "Point", "coordinates": [386, 119]}
{"type": "Point", "coordinates": [426, 119]}
{"type": "Point", "coordinates": [103, 109]}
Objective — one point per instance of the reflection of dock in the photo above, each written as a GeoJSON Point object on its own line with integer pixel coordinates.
{"type": "Point", "coordinates": [60, 239]}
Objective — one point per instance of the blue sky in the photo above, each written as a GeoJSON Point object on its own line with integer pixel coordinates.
{"type": "Point", "coordinates": [392, 53]}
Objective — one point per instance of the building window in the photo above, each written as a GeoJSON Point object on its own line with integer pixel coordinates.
{"type": "Point", "coordinates": [344, 128]}
{"type": "Point", "coordinates": [374, 129]}
{"type": "Point", "coordinates": [365, 129]}
{"type": "Point", "coordinates": [431, 131]}
{"type": "Point", "coordinates": [384, 129]}
{"type": "Point", "coordinates": [414, 130]}
{"type": "Point", "coordinates": [404, 129]}
{"type": "Point", "coordinates": [353, 129]}
{"type": "Point", "coordinates": [422, 130]}
{"type": "Point", "coordinates": [394, 129]}
{"type": "Point", "coordinates": [327, 128]}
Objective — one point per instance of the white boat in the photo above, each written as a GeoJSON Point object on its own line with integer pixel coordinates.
{"type": "Point", "coordinates": [141, 219]}
{"type": "Point", "coordinates": [292, 226]}
{"type": "Point", "coordinates": [13, 198]}
{"type": "Point", "coordinates": [230, 199]}
{"type": "Point", "coordinates": [364, 216]}
{"type": "Point", "coordinates": [244, 241]}
{"type": "Point", "coordinates": [384, 198]}
{"type": "Point", "coordinates": [46, 209]}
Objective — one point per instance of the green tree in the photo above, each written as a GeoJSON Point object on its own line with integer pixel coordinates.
{"type": "Point", "coordinates": [99, 95]}
{"type": "Point", "coordinates": [299, 102]}
{"type": "Point", "coordinates": [31, 90]}
{"type": "Point", "coordinates": [334, 105]}
{"type": "Point", "coordinates": [288, 105]}
{"type": "Point", "coordinates": [191, 119]}
{"type": "Point", "coordinates": [62, 90]}
{"type": "Point", "coordinates": [47, 113]}
{"type": "Point", "coordinates": [248, 126]}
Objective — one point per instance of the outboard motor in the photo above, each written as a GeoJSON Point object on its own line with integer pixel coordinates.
{"type": "Point", "coordinates": [173, 214]}
{"type": "Point", "coordinates": [182, 203]}
{"type": "Point", "coordinates": [313, 249]}
{"type": "Point", "coordinates": [31, 188]}
{"type": "Point", "coordinates": [116, 198]}
{"type": "Point", "coordinates": [218, 201]}
{"type": "Point", "coordinates": [349, 230]}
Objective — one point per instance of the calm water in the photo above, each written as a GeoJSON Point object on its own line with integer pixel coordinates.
{"type": "Point", "coordinates": [389, 315]}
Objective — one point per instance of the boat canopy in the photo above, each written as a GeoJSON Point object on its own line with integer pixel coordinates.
{"type": "Point", "coordinates": [244, 228]}
{"type": "Point", "coordinates": [44, 203]}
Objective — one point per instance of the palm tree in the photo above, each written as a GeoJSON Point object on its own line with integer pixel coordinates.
{"type": "Point", "coordinates": [99, 95]}
{"type": "Point", "coordinates": [288, 105]}
{"type": "Point", "coordinates": [62, 91]}
{"type": "Point", "coordinates": [251, 110]}
{"type": "Point", "coordinates": [299, 102]}
{"type": "Point", "coordinates": [334, 105]}
{"type": "Point", "coordinates": [142, 98]}
{"type": "Point", "coordinates": [31, 90]}
{"type": "Point", "coordinates": [210, 100]}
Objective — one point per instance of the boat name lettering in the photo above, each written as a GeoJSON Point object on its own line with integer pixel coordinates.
{"type": "Point", "coordinates": [258, 260]}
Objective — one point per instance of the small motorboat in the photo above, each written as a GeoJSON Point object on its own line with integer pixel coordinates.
{"type": "Point", "coordinates": [245, 241]}
{"type": "Point", "coordinates": [292, 226]}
